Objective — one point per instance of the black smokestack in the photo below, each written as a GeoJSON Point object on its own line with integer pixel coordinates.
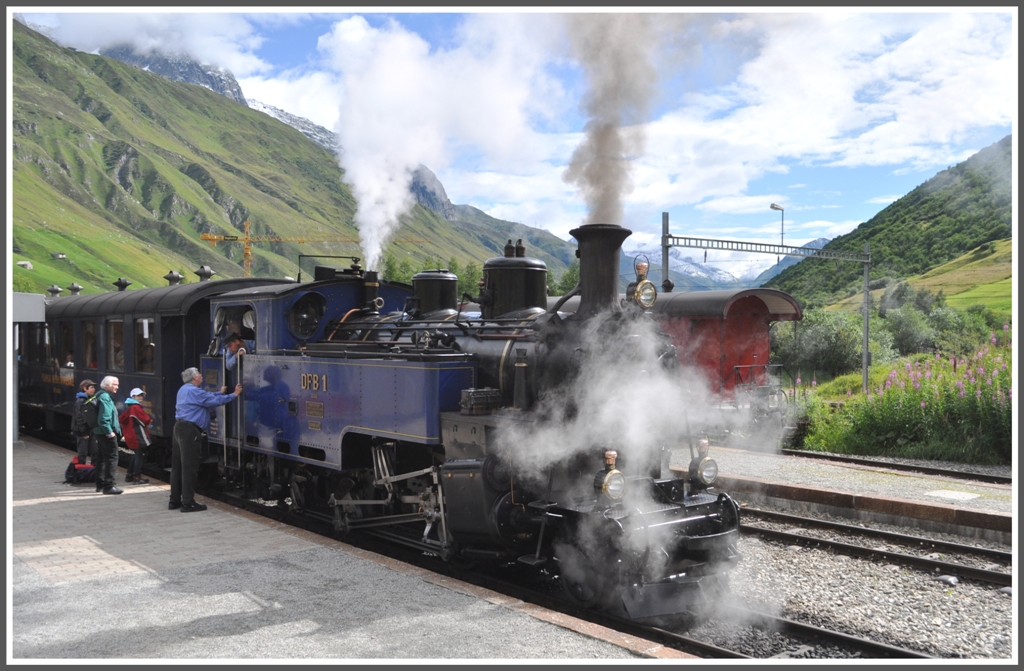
{"type": "Point", "coordinates": [599, 266]}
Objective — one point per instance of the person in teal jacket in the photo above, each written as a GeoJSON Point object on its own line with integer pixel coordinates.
{"type": "Point", "coordinates": [107, 431]}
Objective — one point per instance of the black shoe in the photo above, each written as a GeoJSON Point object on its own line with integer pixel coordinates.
{"type": "Point", "coordinates": [99, 487]}
{"type": "Point", "coordinates": [129, 479]}
{"type": "Point", "coordinates": [192, 507]}
{"type": "Point", "coordinates": [141, 481]}
{"type": "Point", "coordinates": [112, 490]}
{"type": "Point", "coordinates": [173, 506]}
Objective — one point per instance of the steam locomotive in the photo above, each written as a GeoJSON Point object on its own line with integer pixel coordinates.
{"type": "Point", "coordinates": [518, 434]}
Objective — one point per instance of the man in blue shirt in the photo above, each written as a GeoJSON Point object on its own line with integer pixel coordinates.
{"type": "Point", "coordinates": [192, 419]}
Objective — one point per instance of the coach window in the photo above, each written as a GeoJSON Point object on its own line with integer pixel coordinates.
{"type": "Point", "coordinates": [89, 343]}
{"type": "Point", "coordinates": [66, 345]}
{"type": "Point", "coordinates": [34, 344]}
{"type": "Point", "coordinates": [115, 344]}
{"type": "Point", "coordinates": [145, 347]}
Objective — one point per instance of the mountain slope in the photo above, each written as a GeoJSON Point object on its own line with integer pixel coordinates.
{"type": "Point", "coordinates": [787, 262]}
{"type": "Point", "coordinates": [959, 209]}
{"type": "Point", "coordinates": [981, 276]}
{"type": "Point", "coordinates": [121, 170]}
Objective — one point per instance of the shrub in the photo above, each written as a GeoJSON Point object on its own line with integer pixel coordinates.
{"type": "Point", "coordinates": [910, 332]}
{"type": "Point", "coordinates": [824, 342]}
{"type": "Point", "coordinates": [931, 406]}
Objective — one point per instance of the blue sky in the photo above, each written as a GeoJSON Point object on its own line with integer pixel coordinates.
{"type": "Point", "coordinates": [831, 114]}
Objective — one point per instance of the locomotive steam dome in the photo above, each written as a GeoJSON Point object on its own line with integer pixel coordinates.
{"type": "Point", "coordinates": [436, 289]}
{"type": "Point", "coordinates": [513, 282]}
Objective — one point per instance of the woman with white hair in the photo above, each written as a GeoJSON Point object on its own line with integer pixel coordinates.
{"type": "Point", "coordinates": [107, 432]}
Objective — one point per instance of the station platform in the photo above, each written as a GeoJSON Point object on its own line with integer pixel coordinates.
{"type": "Point", "coordinates": [867, 493]}
{"type": "Point", "coordinates": [95, 577]}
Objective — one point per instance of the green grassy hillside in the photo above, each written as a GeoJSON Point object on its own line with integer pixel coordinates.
{"type": "Point", "coordinates": [958, 210]}
{"type": "Point", "coordinates": [982, 276]}
{"type": "Point", "coordinates": [122, 170]}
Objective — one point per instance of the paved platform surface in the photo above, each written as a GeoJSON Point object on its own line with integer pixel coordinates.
{"type": "Point", "coordinates": [935, 502]}
{"type": "Point", "coordinates": [96, 577]}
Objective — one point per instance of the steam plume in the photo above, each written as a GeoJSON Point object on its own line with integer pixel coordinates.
{"type": "Point", "coordinates": [615, 51]}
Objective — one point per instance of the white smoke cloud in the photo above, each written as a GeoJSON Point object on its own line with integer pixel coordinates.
{"type": "Point", "coordinates": [624, 398]}
{"type": "Point", "coordinates": [406, 104]}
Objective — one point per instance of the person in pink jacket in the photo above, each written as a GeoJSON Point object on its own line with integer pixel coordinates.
{"type": "Point", "coordinates": [135, 423]}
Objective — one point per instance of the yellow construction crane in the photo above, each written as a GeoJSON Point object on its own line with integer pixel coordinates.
{"type": "Point", "coordinates": [247, 239]}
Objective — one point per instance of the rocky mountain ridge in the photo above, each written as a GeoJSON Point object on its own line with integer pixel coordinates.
{"type": "Point", "coordinates": [180, 69]}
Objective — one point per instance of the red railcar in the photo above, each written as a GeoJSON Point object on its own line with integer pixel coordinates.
{"type": "Point", "coordinates": [724, 332]}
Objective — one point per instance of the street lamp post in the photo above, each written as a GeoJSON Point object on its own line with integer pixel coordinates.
{"type": "Point", "coordinates": [783, 240]}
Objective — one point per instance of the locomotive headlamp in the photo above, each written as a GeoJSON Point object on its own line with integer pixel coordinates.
{"type": "Point", "coordinates": [702, 447]}
{"type": "Point", "coordinates": [610, 483]}
{"type": "Point", "coordinates": [703, 471]}
{"type": "Point", "coordinates": [645, 294]}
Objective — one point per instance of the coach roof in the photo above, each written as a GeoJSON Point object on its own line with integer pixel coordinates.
{"type": "Point", "coordinates": [169, 300]}
{"type": "Point", "coordinates": [718, 302]}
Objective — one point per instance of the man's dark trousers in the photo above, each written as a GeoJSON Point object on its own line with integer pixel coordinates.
{"type": "Point", "coordinates": [185, 449]}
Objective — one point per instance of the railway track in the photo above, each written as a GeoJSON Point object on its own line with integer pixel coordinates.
{"type": "Point", "coordinates": [922, 553]}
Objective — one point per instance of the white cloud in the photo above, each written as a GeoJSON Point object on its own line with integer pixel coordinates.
{"type": "Point", "coordinates": [220, 39]}
{"type": "Point", "coordinates": [884, 199]}
{"type": "Point", "coordinates": [313, 95]}
{"type": "Point", "coordinates": [831, 229]}
{"type": "Point", "coordinates": [740, 204]}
